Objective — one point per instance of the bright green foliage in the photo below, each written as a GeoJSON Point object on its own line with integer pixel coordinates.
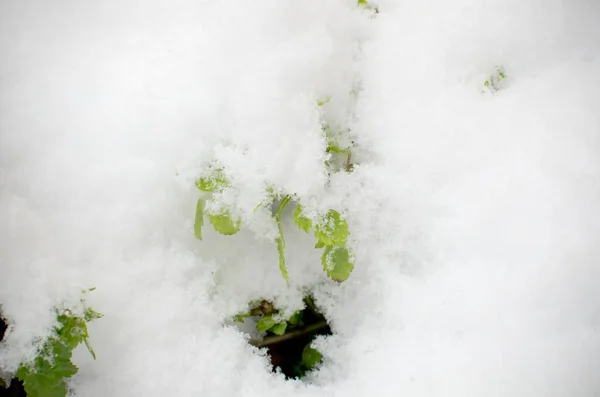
{"type": "Point", "coordinates": [311, 357]}
{"type": "Point", "coordinates": [213, 183]}
{"type": "Point", "coordinates": [332, 147]}
{"type": "Point", "coordinates": [296, 318]}
{"type": "Point", "coordinates": [224, 224]}
{"type": "Point", "coordinates": [279, 329]}
{"type": "Point", "coordinates": [303, 222]}
{"type": "Point", "coordinates": [46, 375]}
{"type": "Point", "coordinates": [332, 230]}
{"type": "Point", "coordinates": [265, 323]}
{"type": "Point", "coordinates": [199, 219]}
{"type": "Point", "coordinates": [337, 262]}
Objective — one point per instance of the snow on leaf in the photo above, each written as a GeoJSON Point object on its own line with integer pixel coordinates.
{"type": "Point", "coordinates": [332, 229]}
{"type": "Point", "coordinates": [224, 224]}
{"type": "Point", "coordinates": [302, 221]}
{"type": "Point", "coordinates": [337, 262]}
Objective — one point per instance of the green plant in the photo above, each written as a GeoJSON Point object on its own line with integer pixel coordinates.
{"type": "Point", "coordinates": [493, 83]}
{"type": "Point", "coordinates": [288, 338]}
{"type": "Point", "coordinates": [46, 375]}
{"type": "Point", "coordinates": [330, 228]}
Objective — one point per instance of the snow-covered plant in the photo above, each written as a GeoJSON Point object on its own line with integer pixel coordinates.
{"type": "Point", "coordinates": [46, 375]}
{"type": "Point", "coordinates": [330, 228]}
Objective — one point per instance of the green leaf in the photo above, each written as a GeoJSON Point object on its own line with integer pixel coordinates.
{"type": "Point", "coordinates": [90, 314]}
{"type": "Point", "coordinates": [296, 318]}
{"type": "Point", "coordinates": [265, 323]}
{"type": "Point", "coordinates": [223, 223]}
{"type": "Point", "coordinates": [279, 328]}
{"type": "Point", "coordinates": [332, 230]}
{"type": "Point", "coordinates": [336, 149]}
{"type": "Point", "coordinates": [311, 357]}
{"type": "Point", "coordinates": [337, 263]}
{"type": "Point", "coordinates": [323, 102]}
{"type": "Point", "coordinates": [213, 183]}
{"type": "Point", "coordinates": [303, 222]}
{"type": "Point", "coordinates": [45, 376]}
{"type": "Point", "coordinates": [199, 219]}
{"type": "Point", "coordinates": [319, 244]}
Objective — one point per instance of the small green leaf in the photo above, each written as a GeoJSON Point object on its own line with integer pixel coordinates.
{"type": "Point", "coordinates": [336, 263]}
{"type": "Point", "coordinates": [303, 222]}
{"type": "Point", "coordinates": [323, 102]}
{"type": "Point", "coordinates": [332, 230]}
{"type": "Point", "coordinates": [199, 219]}
{"type": "Point", "coordinates": [279, 328]}
{"type": "Point", "coordinates": [319, 244]}
{"type": "Point", "coordinates": [265, 323]}
{"type": "Point", "coordinates": [336, 149]}
{"type": "Point", "coordinates": [296, 318]}
{"type": "Point", "coordinates": [213, 183]}
{"type": "Point", "coordinates": [223, 223]}
{"type": "Point", "coordinates": [90, 314]}
{"type": "Point", "coordinates": [311, 357]}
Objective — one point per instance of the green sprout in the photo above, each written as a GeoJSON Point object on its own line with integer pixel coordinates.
{"type": "Point", "coordinates": [493, 83]}
{"type": "Point", "coordinates": [46, 375]}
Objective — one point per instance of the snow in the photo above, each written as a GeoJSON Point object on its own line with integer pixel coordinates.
{"type": "Point", "coordinates": [473, 217]}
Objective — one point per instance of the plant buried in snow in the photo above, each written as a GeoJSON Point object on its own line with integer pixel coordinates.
{"type": "Point", "coordinates": [330, 229]}
{"type": "Point", "coordinates": [46, 375]}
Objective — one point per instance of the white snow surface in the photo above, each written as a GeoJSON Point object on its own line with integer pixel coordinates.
{"type": "Point", "coordinates": [474, 217]}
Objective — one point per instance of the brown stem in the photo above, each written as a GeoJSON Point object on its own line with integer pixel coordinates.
{"type": "Point", "coordinates": [275, 339]}
{"type": "Point", "coordinates": [348, 163]}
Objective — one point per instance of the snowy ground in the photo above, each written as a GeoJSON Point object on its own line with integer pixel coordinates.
{"type": "Point", "coordinates": [474, 217]}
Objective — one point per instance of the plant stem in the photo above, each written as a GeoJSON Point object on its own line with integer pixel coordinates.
{"type": "Point", "coordinates": [280, 240]}
{"type": "Point", "coordinates": [276, 339]}
{"type": "Point", "coordinates": [348, 163]}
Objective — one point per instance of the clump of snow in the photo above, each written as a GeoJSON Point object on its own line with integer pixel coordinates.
{"type": "Point", "coordinates": [473, 217]}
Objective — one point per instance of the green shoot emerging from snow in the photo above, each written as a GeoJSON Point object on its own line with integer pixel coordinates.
{"type": "Point", "coordinates": [222, 222]}
{"type": "Point", "coordinates": [493, 83]}
{"type": "Point", "coordinates": [46, 375]}
{"type": "Point", "coordinates": [330, 229]}
{"type": "Point", "coordinates": [331, 232]}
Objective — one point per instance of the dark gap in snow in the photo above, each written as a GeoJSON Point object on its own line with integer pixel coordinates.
{"type": "Point", "coordinates": [290, 350]}
{"type": "Point", "coordinates": [287, 355]}
{"type": "Point", "coordinates": [15, 389]}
